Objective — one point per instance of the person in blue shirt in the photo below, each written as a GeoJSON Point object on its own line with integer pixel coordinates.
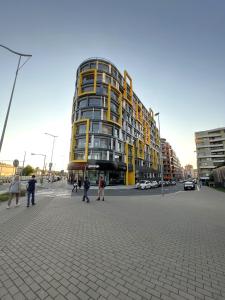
{"type": "Point", "coordinates": [31, 190]}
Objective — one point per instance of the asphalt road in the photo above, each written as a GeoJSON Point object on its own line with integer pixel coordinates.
{"type": "Point", "coordinates": [131, 191]}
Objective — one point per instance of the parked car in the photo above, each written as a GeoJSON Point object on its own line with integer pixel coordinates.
{"type": "Point", "coordinates": [173, 182]}
{"type": "Point", "coordinates": [154, 184]}
{"type": "Point", "coordinates": [189, 185]}
{"type": "Point", "coordinates": [144, 185]}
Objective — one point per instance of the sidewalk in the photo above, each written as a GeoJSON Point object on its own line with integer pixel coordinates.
{"type": "Point", "coordinates": [126, 248]}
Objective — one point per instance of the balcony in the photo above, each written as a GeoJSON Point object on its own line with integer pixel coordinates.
{"type": "Point", "coordinates": [206, 167]}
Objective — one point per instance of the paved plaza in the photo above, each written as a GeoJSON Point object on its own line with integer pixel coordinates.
{"type": "Point", "coordinates": [128, 247]}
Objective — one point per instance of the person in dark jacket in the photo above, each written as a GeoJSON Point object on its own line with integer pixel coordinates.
{"type": "Point", "coordinates": [31, 190]}
{"type": "Point", "coordinates": [79, 183]}
{"type": "Point", "coordinates": [86, 188]}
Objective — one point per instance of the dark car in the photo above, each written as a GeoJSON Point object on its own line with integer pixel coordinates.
{"type": "Point", "coordinates": [189, 185]}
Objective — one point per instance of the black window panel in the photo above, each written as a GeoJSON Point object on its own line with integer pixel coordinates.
{"type": "Point", "coordinates": [95, 128]}
{"type": "Point", "coordinates": [95, 102]}
{"type": "Point", "coordinates": [103, 67]}
{"type": "Point", "coordinates": [102, 90]}
{"type": "Point", "coordinates": [83, 103]}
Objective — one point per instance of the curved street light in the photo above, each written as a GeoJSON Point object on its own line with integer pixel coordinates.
{"type": "Point", "coordinates": [44, 155]}
{"type": "Point", "coordinates": [54, 136]}
{"type": "Point", "coordinates": [11, 97]}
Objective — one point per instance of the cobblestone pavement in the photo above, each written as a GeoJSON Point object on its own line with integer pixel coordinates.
{"type": "Point", "coordinates": [146, 247]}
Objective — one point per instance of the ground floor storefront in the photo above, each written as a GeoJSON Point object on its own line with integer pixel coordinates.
{"type": "Point", "coordinates": [113, 173]}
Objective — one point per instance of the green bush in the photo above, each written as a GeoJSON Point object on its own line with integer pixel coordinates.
{"type": "Point", "coordinates": [5, 196]}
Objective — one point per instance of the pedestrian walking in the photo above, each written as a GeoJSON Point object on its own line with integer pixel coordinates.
{"type": "Point", "coordinates": [101, 188]}
{"type": "Point", "coordinates": [31, 190]}
{"type": "Point", "coordinates": [79, 183]}
{"type": "Point", "coordinates": [75, 185]}
{"type": "Point", "coordinates": [86, 188]}
{"type": "Point", "coordinates": [14, 190]}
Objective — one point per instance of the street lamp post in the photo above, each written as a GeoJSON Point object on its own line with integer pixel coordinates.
{"type": "Point", "coordinates": [161, 158]}
{"type": "Point", "coordinates": [53, 144]}
{"type": "Point", "coordinates": [11, 97]}
{"type": "Point", "coordinates": [44, 155]}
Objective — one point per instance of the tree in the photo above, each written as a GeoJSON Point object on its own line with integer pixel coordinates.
{"type": "Point", "coordinates": [27, 170]}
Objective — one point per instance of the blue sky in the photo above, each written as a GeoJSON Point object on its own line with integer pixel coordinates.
{"type": "Point", "coordinates": [174, 50]}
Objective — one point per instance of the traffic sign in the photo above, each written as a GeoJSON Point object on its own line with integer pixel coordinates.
{"type": "Point", "coordinates": [15, 163]}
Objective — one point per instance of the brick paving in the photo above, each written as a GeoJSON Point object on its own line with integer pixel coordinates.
{"type": "Point", "coordinates": [147, 247]}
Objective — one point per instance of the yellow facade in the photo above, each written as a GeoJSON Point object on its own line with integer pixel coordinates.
{"type": "Point", "coordinates": [141, 141]}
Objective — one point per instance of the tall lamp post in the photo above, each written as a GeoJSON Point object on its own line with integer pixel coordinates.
{"type": "Point", "coordinates": [53, 144]}
{"type": "Point", "coordinates": [44, 155]}
{"type": "Point", "coordinates": [11, 97]}
{"type": "Point", "coordinates": [161, 158]}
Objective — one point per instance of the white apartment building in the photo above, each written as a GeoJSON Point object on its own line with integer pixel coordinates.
{"type": "Point", "coordinates": [210, 150]}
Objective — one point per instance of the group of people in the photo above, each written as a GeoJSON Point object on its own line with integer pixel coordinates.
{"type": "Point", "coordinates": [15, 190]}
{"type": "Point", "coordinates": [86, 184]}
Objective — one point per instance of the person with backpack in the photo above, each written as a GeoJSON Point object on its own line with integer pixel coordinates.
{"type": "Point", "coordinates": [31, 190]}
{"type": "Point", "coordinates": [86, 188]}
{"type": "Point", "coordinates": [101, 188]}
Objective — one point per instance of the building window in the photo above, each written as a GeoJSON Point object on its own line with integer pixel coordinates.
{"type": "Point", "coordinates": [81, 129]}
{"type": "Point", "coordinates": [99, 78]}
{"type": "Point", "coordinates": [95, 128]}
{"type": "Point", "coordinates": [107, 79]}
{"type": "Point", "coordinates": [88, 78]}
{"type": "Point", "coordinates": [87, 114]}
{"type": "Point", "coordinates": [95, 102]}
{"type": "Point", "coordinates": [114, 107]}
{"type": "Point", "coordinates": [87, 88]}
{"type": "Point", "coordinates": [116, 132]}
{"type": "Point", "coordinates": [84, 68]}
{"type": "Point", "coordinates": [79, 155]}
{"type": "Point", "coordinates": [102, 90]}
{"type": "Point", "coordinates": [91, 114]}
{"type": "Point", "coordinates": [82, 103]}
{"type": "Point", "coordinates": [97, 155]}
{"type": "Point", "coordinates": [97, 115]}
{"type": "Point", "coordinates": [80, 143]}
{"type": "Point", "coordinates": [106, 129]}
{"type": "Point", "coordinates": [103, 67]}
{"type": "Point", "coordinates": [101, 143]}
{"type": "Point", "coordinates": [93, 65]}
{"type": "Point", "coordinates": [114, 72]}
{"type": "Point", "coordinates": [114, 96]}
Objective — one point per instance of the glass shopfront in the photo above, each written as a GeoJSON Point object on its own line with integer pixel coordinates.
{"type": "Point", "coordinates": [111, 177]}
{"type": "Point", "coordinates": [114, 174]}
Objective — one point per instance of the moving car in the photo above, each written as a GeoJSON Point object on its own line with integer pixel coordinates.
{"type": "Point", "coordinates": [189, 185]}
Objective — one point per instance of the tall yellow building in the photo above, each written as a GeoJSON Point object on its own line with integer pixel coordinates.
{"type": "Point", "coordinates": [113, 134]}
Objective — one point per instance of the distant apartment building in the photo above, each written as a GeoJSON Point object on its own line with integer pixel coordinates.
{"type": "Point", "coordinates": [6, 170]}
{"type": "Point", "coordinates": [189, 171]}
{"type": "Point", "coordinates": [210, 150]}
{"type": "Point", "coordinates": [171, 165]}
